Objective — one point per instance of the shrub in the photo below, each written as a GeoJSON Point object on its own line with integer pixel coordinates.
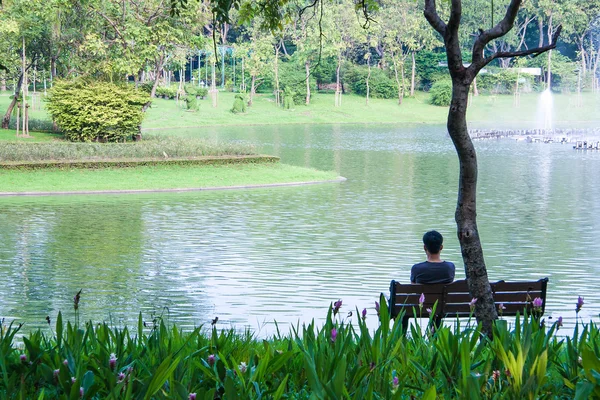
{"type": "Point", "coordinates": [293, 76]}
{"type": "Point", "coordinates": [288, 99]}
{"type": "Point", "coordinates": [202, 92]}
{"type": "Point", "coordinates": [441, 93]}
{"type": "Point", "coordinates": [87, 111]}
{"type": "Point", "coordinates": [168, 92]}
{"type": "Point", "coordinates": [380, 84]}
{"type": "Point", "coordinates": [147, 87]}
{"type": "Point", "coordinates": [239, 104]}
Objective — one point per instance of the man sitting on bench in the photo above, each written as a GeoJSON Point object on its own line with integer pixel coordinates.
{"type": "Point", "coordinates": [434, 270]}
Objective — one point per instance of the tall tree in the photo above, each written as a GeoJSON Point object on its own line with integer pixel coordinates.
{"type": "Point", "coordinates": [462, 77]}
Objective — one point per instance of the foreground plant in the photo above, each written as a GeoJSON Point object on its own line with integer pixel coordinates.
{"type": "Point", "coordinates": [524, 360]}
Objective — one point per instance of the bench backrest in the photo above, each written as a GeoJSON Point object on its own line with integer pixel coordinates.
{"type": "Point", "coordinates": [453, 298]}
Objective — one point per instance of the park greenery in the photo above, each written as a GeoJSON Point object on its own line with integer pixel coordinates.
{"type": "Point", "coordinates": [189, 55]}
{"type": "Point", "coordinates": [525, 359]}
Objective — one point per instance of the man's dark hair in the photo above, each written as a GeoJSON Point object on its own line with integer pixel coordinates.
{"type": "Point", "coordinates": [433, 241]}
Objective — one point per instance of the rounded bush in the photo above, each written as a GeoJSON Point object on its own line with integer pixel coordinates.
{"type": "Point", "coordinates": [239, 104]}
{"type": "Point", "coordinates": [96, 111]}
{"type": "Point", "coordinates": [441, 93]}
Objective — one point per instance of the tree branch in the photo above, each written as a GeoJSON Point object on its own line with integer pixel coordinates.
{"type": "Point", "coordinates": [433, 18]}
{"type": "Point", "coordinates": [455, 14]}
{"type": "Point", "coordinates": [475, 67]}
{"type": "Point", "coordinates": [497, 31]}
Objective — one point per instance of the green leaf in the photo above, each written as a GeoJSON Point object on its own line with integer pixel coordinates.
{"type": "Point", "coordinates": [160, 376]}
{"type": "Point", "coordinates": [430, 394]}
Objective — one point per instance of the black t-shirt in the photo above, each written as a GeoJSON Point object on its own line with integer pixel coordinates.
{"type": "Point", "coordinates": [432, 272]}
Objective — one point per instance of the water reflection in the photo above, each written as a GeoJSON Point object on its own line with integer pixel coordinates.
{"type": "Point", "coordinates": [251, 256]}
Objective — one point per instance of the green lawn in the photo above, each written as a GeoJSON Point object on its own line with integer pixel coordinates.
{"type": "Point", "coordinates": [157, 177]}
{"type": "Point", "coordinates": [484, 111]}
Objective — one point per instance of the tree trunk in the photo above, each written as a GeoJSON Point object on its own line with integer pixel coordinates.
{"type": "Point", "coordinates": [11, 106]}
{"type": "Point", "coordinates": [159, 70]}
{"type": "Point", "coordinates": [368, 77]}
{"type": "Point", "coordinates": [3, 83]}
{"type": "Point", "coordinates": [475, 90]}
{"type": "Point", "coordinates": [397, 80]}
{"type": "Point", "coordinates": [541, 29]}
{"type": "Point", "coordinates": [338, 91]}
{"type": "Point", "coordinates": [549, 73]}
{"type": "Point", "coordinates": [412, 77]}
{"type": "Point", "coordinates": [307, 66]}
{"type": "Point", "coordinates": [252, 90]}
{"type": "Point", "coordinates": [466, 215]}
{"type": "Point", "coordinates": [53, 68]}
{"type": "Point", "coordinates": [277, 75]}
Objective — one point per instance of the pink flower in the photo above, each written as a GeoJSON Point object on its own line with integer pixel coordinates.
{"type": "Point", "coordinates": [211, 360]}
{"type": "Point", "coordinates": [192, 396]}
{"type": "Point", "coordinates": [120, 377]}
{"type": "Point", "coordinates": [65, 362]}
{"type": "Point", "coordinates": [243, 367]}
{"type": "Point", "coordinates": [507, 372]}
{"type": "Point", "coordinates": [421, 300]}
{"type": "Point", "coordinates": [559, 322]}
{"type": "Point", "coordinates": [579, 304]}
{"type": "Point", "coordinates": [538, 302]}
{"type": "Point", "coordinates": [472, 303]}
{"type": "Point", "coordinates": [501, 308]}
{"type": "Point", "coordinates": [336, 306]}
{"type": "Point", "coordinates": [73, 380]}
{"type": "Point", "coordinates": [396, 381]}
{"type": "Point", "coordinates": [112, 361]}
{"type": "Point", "coordinates": [55, 373]}
{"type": "Point", "coordinates": [496, 375]}
{"type": "Point", "coordinates": [377, 307]}
{"type": "Point", "coordinates": [364, 313]}
{"type": "Point", "coordinates": [81, 392]}
{"type": "Point", "coordinates": [333, 335]}
{"type": "Point", "coordinates": [23, 358]}
{"type": "Point", "coordinates": [429, 310]}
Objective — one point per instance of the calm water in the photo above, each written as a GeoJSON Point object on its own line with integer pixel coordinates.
{"type": "Point", "coordinates": [254, 256]}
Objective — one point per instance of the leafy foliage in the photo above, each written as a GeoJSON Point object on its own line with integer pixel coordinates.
{"type": "Point", "coordinates": [337, 360]}
{"type": "Point", "coordinates": [381, 85]}
{"type": "Point", "coordinates": [441, 93]}
{"type": "Point", "coordinates": [88, 111]}
{"type": "Point", "coordinates": [239, 104]}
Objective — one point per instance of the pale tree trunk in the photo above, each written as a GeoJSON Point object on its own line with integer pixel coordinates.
{"type": "Point", "coordinates": [403, 80]}
{"type": "Point", "coordinates": [475, 90]}
{"type": "Point", "coordinates": [594, 69]}
{"type": "Point", "coordinates": [213, 85]}
{"type": "Point", "coordinates": [398, 85]}
{"type": "Point", "coordinates": [307, 66]}
{"type": "Point", "coordinates": [3, 83]}
{"type": "Point", "coordinates": [159, 70]}
{"type": "Point", "coordinates": [252, 90]}
{"type": "Point", "coordinates": [11, 106]}
{"type": "Point", "coordinates": [368, 76]}
{"type": "Point", "coordinates": [277, 102]}
{"type": "Point", "coordinates": [541, 29]}
{"type": "Point", "coordinates": [412, 77]}
{"type": "Point", "coordinates": [338, 90]}
{"type": "Point", "coordinates": [549, 71]}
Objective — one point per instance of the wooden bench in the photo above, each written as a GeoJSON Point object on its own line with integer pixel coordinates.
{"type": "Point", "coordinates": [453, 299]}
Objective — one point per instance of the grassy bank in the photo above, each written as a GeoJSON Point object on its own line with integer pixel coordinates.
{"type": "Point", "coordinates": [339, 360]}
{"type": "Point", "coordinates": [485, 110]}
{"type": "Point", "coordinates": [151, 147]}
{"type": "Point", "coordinates": [156, 177]}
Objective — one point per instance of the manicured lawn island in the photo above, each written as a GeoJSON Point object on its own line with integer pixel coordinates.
{"type": "Point", "coordinates": [452, 300]}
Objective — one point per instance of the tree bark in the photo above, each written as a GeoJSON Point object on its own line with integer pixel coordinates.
{"type": "Point", "coordinates": [412, 77]}
{"type": "Point", "coordinates": [307, 66]}
{"type": "Point", "coordinates": [159, 70]}
{"type": "Point", "coordinates": [277, 75]}
{"type": "Point", "coordinates": [252, 90]}
{"type": "Point", "coordinates": [368, 77]}
{"type": "Point", "coordinates": [397, 80]}
{"type": "Point", "coordinates": [541, 29]}
{"type": "Point", "coordinates": [338, 91]}
{"type": "Point", "coordinates": [11, 106]}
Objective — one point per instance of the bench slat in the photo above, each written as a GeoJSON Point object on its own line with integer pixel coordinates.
{"type": "Point", "coordinates": [453, 299]}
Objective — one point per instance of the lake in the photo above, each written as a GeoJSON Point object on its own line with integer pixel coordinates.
{"type": "Point", "coordinates": [254, 256]}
